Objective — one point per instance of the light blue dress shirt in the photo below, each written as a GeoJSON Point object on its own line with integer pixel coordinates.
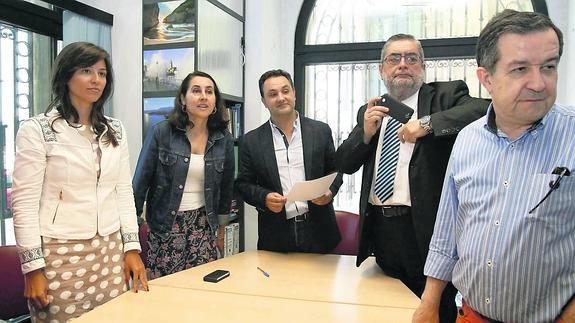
{"type": "Point", "coordinates": [510, 265]}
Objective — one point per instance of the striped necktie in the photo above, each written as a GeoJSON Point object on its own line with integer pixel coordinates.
{"type": "Point", "coordinates": [387, 161]}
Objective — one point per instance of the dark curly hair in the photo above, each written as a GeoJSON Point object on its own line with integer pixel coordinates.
{"type": "Point", "coordinates": [180, 119]}
{"type": "Point", "coordinates": [72, 58]}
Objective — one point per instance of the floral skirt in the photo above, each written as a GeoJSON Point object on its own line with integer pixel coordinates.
{"type": "Point", "coordinates": [82, 274]}
{"type": "Point", "coordinates": [190, 243]}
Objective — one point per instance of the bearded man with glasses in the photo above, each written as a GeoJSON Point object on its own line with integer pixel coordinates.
{"type": "Point", "coordinates": [410, 160]}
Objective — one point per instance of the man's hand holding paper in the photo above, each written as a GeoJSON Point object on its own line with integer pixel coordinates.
{"type": "Point", "coordinates": [275, 202]}
{"type": "Point", "coordinates": [324, 199]}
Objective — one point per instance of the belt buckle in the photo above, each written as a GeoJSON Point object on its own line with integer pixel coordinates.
{"type": "Point", "coordinates": [300, 218]}
{"type": "Point", "coordinates": [387, 207]}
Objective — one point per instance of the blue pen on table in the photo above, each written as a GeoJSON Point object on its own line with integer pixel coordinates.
{"type": "Point", "coordinates": [263, 272]}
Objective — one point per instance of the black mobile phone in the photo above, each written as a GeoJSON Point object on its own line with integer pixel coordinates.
{"type": "Point", "coordinates": [216, 275]}
{"type": "Point", "coordinates": [397, 110]}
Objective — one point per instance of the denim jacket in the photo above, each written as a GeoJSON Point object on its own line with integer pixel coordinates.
{"type": "Point", "coordinates": [162, 169]}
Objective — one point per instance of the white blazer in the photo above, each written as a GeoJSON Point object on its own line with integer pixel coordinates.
{"type": "Point", "coordinates": [56, 192]}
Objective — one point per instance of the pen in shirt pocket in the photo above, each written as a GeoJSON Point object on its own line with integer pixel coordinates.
{"type": "Point", "coordinates": [553, 185]}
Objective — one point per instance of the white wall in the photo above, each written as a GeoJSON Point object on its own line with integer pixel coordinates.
{"type": "Point", "coordinates": [270, 30]}
{"type": "Point", "coordinates": [562, 12]}
{"type": "Point", "coordinates": [127, 63]}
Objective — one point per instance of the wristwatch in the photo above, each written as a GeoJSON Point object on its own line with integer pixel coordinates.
{"type": "Point", "coordinates": [425, 123]}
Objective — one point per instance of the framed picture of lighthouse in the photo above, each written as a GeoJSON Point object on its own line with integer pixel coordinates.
{"type": "Point", "coordinates": [168, 22]}
{"type": "Point", "coordinates": [164, 69]}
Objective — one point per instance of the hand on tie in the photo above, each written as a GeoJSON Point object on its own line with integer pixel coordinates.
{"type": "Point", "coordinates": [411, 131]}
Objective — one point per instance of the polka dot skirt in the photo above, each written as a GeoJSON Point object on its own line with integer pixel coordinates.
{"type": "Point", "coordinates": [82, 274]}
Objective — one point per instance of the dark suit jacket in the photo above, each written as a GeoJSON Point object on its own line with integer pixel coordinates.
{"type": "Point", "coordinates": [451, 108]}
{"type": "Point", "coordinates": [258, 176]}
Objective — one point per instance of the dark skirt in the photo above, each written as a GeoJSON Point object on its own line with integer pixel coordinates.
{"type": "Point", "coordinates": [190, 243]}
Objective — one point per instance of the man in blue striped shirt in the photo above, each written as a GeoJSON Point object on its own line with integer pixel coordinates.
{"type": "Point", "coordinates": [505, 229]}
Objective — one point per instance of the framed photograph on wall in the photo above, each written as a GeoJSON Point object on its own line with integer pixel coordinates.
{"type": "Point", "coordinates": [164, 69]}
{"type": "Point", "coordinates": [168, 22]}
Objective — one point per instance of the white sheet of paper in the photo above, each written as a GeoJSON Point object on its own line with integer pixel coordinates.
{"type": "Point", "coordinates": [308, 190]}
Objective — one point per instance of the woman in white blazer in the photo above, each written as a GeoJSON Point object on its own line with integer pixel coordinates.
{"type": "Point", "coordinates": [74, 214]}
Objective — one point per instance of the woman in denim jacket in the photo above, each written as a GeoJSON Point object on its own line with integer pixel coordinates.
{"type": "Point", "coordinates": [185, 174]}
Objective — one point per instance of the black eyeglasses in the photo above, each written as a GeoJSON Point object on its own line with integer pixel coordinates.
{"type": "Point", "coordinates": [562, 172]}
{"type": "Point", "coordinates": [410, 59]}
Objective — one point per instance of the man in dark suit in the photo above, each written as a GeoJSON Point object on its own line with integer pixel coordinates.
{"type": "Point", "coordinates": [289, 148]}
{"type": "Point", "coordinates": [401, 183]}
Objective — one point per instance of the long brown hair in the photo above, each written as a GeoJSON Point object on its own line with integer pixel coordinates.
{"type": "Point", "coordinates": [73, 57]}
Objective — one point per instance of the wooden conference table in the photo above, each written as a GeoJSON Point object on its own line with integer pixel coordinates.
{"type": "Point", "coordinates": [300, 288]}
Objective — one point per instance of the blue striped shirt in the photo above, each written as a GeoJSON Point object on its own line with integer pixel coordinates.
{"type": "Point", "coordinates": [509, 265]}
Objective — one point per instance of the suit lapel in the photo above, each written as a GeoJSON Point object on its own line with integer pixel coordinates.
{"type": "Point", "coordinates": [424, 100]}
{"type": "Point", "coordinates": [307, 141]}
{"type": "Point", "coordinates": [426, 93]}
{"type": "Point", "coordinates": [269, 157]}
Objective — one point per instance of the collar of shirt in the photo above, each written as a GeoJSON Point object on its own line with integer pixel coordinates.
{"type": "Point", "coordinates": [296, 126]}
{"type": "Point", "coordinates": [412, 103]}
{"type": "Point", "coordinates": [491, 125]}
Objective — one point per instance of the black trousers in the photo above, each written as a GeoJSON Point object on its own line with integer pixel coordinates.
{"type": "Point", "coordinates": [301, 238]}
{"type": "Point", "coordinates": [397, 253]}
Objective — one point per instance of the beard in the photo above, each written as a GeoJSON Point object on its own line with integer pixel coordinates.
{"type": "Point", "coordinates": [402, 88]}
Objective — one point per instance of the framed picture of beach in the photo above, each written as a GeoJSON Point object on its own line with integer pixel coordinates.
{"type": "Point", "coordinates": [168, 22]}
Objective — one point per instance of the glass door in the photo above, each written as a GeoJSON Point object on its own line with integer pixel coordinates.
{"type": "Point", "coordinates": [25, 62]}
